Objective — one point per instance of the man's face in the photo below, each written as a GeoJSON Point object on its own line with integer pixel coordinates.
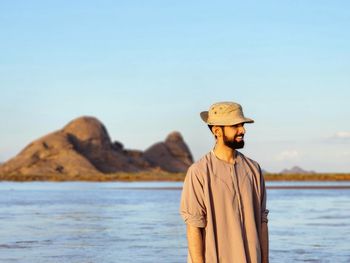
{"type": "Point", "coordinates": [233, 136]}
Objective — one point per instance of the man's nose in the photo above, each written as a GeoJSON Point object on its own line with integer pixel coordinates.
{"type": "Point", "coordinates": [241, 130]}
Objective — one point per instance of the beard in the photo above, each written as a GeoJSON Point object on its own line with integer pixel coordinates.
{"type": "Point", "coordinates": [232, 143]}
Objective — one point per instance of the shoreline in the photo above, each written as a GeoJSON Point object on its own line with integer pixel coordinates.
{"type": "Point", "coordinates": [162, 176]}
{"type": "Point", "coordinates": [268, 187]}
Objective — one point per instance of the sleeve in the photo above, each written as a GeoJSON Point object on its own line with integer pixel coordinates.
{"type": "Point", "coordinates": [192, 206]}
{"type": "Point", "coordinates": [264, 235]}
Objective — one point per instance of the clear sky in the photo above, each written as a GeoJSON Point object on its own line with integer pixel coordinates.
{"type": "Point", "coordinates": [146, 68]}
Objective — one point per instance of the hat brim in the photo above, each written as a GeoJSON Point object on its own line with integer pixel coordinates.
{"type": "Point", "coordinates": [204, 116]}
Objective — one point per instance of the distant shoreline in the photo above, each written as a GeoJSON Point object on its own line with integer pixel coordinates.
{"type": "Point", "coordinates": [308, 177]}
{"type": "Point", "coordinates": [163, 176]}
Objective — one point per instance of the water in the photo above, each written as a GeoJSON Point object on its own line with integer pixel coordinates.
{"type": "Point", "coordinates": [139, 222]}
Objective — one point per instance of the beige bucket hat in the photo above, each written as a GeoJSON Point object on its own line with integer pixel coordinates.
{"type": "Point", "coordinates": [224, 114]}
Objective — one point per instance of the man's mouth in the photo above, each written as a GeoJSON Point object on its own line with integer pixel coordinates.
{"type": "Point", "coordinates": [239, 138]}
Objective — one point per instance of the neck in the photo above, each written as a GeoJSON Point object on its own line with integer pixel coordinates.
{"type": "Point", "coordinates": [224, 153]}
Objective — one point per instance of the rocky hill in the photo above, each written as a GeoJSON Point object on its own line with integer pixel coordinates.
{"type": "Point", "coordinates": [84, 146]}
{"type": "Point", "coordinates": [173, 155]}
{"type": "Point", "coordinates": [296, 170]}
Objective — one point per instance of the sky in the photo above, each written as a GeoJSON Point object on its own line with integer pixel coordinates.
{"type": "Point", "coordinates": [147, 68]}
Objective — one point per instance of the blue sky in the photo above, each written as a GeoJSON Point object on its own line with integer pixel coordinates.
{"type": "Point", "coordinates": [146, 68]}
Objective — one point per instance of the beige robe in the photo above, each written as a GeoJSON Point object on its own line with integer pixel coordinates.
{"type": "Point", "coordinates": [229, 202]}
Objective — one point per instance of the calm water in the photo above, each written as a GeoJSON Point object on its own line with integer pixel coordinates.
{"type": "Point", "coordinates": [139, 222]}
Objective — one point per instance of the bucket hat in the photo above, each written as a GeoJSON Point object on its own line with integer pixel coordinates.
{"type": "Point", "coordinates": [224, 114]}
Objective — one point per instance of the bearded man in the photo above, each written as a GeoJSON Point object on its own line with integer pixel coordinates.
{"type": "Point", "coordinates": [223, 201]}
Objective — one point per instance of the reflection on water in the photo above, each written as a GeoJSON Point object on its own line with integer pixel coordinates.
{"type": "Point", "coordinates": [139, 222]}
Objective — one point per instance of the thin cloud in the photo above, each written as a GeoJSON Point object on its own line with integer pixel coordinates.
{"type": "Point", "coordinates": [341, 136]}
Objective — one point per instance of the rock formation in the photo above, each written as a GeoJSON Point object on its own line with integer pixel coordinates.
{"type": "Point", "coordinates": [296, 170]}
{"type": "Point", "coordinates": [172, 155]}
{"type": "Point", "coordinates": [83, 146]}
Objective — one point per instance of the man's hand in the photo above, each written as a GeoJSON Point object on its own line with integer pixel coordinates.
{"type": "Point", "coordinates": [195, 243]}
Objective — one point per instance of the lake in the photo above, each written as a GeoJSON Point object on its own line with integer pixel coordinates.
{"type": "Point", "coordinates": [139, 222]}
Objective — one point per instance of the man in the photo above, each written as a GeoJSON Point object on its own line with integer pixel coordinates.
{"type": "Point", "coordinates": [223, 199]}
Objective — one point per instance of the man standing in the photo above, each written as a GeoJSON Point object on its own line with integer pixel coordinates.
{"type": "Point", "coordinates": [223, 199]}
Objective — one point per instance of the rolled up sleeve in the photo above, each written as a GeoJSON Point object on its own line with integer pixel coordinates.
{"type": "Point", "coordinates": [264, 214]}
{"type": "Point", "coordinates": [264, 210]}
{"type": "Point", "coordinates": [192, 207]}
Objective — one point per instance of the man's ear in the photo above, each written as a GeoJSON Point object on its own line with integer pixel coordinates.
{"type": "Point", "coordinates": [217, 131]}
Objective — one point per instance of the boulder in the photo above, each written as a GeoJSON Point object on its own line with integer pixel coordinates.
{"type": "Point", "coordinates": [90, 138]}
{"type": "Point", "coordinates": [172, 155]}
